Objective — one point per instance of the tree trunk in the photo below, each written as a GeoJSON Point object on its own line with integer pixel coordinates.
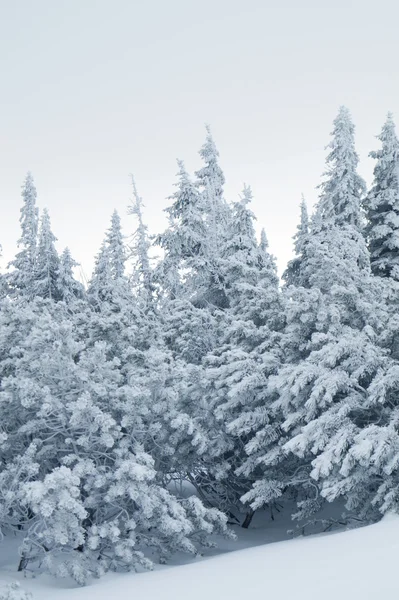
{"type": "Point", "coordinates": [23, 563]}
{"type": "Point", "coordinates": [248, 519]}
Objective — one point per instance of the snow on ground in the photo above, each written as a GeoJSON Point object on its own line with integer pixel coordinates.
{"type": "Point", "coordinates": [356, 564]}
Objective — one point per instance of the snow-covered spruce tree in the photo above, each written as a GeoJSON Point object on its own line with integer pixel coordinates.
{"type": "Point", "coordinates": [108, 282]}
{"type": "Point", "coordinates": [76, 479]}
{"type": "Point", "coordinates": [183, 274]}
{"type": "Point", "coordinates": [217, 214]}
{"type": "Point", "coordinates": [184, 242]}
{"type": "Point", "coordinates": [153, 380]}
{"type": "Point", "coordinates": [237, 370]}
{"type": "Point", "coordinates": [97, 290]}
{"type": "Point", "coordinates": [116, 248]}
{"type": "Point", "coordinates": [142, 278]}
{"type": "Point", "coordinates": [331, 352]}
{"type": "Point", "coordinates": [21, 277]}
{"type": "Point", "coordinates": [343, 188]}
{"type": "Point", "coordinates": [115, 318]}
{"type": "Point", "coordinates": [291, 273]}
{"type": "Point", "coordinates": [45, 282]}
{"type": "Point", "coordinates": [69, 289]}
{"type": "Point", "coordinates": [162, 338]}
{"type": "Point", "coordinates": [382, 205]}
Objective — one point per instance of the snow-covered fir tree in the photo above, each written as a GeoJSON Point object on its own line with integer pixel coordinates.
{"type": "Point", "coordinates": [69, 289]}
{"type": "Point", "coordinates": [332, 355]}
{"type": "Point", "coordinates": [237, 370]}
{"type": "Point", "coordinates": [142, 278]}
{"type": "Point", "coordinates": [181, 270]}
{"type": "Point", "coordinates": [108, 282]}
{"type": "Point", "coordinates": [291, 274]}
{"type": "Point", "coordinates": [183, 274]}
{"type": "Point", "coordinates": [45, 283]}
{"type": "Point", "coordinates": [217, 215]}
{"type": "Point", "coordinates": [21, 277]}
{"type": "Point", "coordinates": [342, 188]}
{"type": "Point", "coordinates": [382, 205]}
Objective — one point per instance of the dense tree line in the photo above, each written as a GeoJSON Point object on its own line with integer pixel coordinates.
{"type": "Point", "coordinates": [201, 369]}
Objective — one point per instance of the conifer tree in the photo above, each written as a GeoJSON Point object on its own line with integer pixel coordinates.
{"type": "Point", "coordinates": [343, 188]}
{"type": "Point", "coordinates": [21, 277]}
{"type": "Point", "coordinates": [211, 171]}
{"type": "Point", "coordinates": [69, 288]}
{"type": "Point", "coordinates": [382, 205]}
{"type": "Point", "coordinates": [184, 241]}
{"type": "Point", "coordinates": [210, 181]}
{"type": "Point", "coordinates": [45, 283]}
{"type": "Point", "coordinates": [116, 248]}
{"type": "Point", "coordinates": [142, 278]}
{"type": "Point", "coordinates": [330, 350]}
{"type": "Point", "coordinates": [100, 282]}
{"type": "Point", "coordinates": [291, 274]}
{"type": "Point", "coordinates": [109, 283]}
{"type": "Point", "coordinates": [264, 243]}
{"type": "Point", "coordinates": [237, 371]}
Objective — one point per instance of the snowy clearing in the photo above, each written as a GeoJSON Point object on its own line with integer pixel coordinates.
{"type": "Point", "coordinates": [352, 564]}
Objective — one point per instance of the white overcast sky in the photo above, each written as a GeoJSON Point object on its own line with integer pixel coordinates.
{"type": "Point", "coordinates": [92, 90]}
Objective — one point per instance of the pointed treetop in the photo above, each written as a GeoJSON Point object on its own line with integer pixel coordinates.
{"type": "Point", "coordinates": [116, 247]}
{"type": "Point", "coordinates": [143, 275]}
{"type": "Point", "coordinates": [182, 169]}
{"type": "Point", "coordinates": [185, 196]}
{"type": "Point", "coordinates": [241, 231]}
{"type": "Point", "coordinates": [29, 218]}
{"type": "Point", "coordinates": [246, 195]}
{"type": "Point", "coordinates": [304, 212]}
{"type": "Point", "coordinates": [211, 173]}
{"type": "Point", "coordinates": [136, 207]}
{"type": "Point", "coordinates": [68, 263]}
{"type": "Point", "coordinates": [389, 118]}
{"type": "Point", "coordinates": [382, 205]}
{"type": "Point", "coordinates": [302, 228]}
{"type": "Point", "coordinates": [28, 187]}
{"type": "Point", "coordinates": [264, 242]}
{"type": "Point", "coordinates": [47, 265]}
{"type": "Point", "coordinates": [69, 288]}
{"type": "Point", "coordinates": [343, 188]}
{"type": "Point", "coordinates": [45, 221]}
{"type": "Point", "coordinates": [389, 141]}
{"type": "Point", "coordinates": [292, 274]}
{"type": "Point", "coordinates": [21, 278]}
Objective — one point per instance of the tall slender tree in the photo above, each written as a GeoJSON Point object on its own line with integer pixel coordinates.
{"type": "Point", "coordinates": [330, 350]}
{"type": "Point", "coordinates": [184, 241]}
{"type": "Point", "coordinates": [238, 368]}
{"type": "Point", "coordinates": [217, 215]}
{"type": "Point", "coordinates": [210, 181]}
{"type": "Point", "coordinates": [382, 205]}
{"type": "Point", "coordinates": [69, 288]}
{"type": "Point", "coordinates": [142, 279]}
{"type": "Point", "coordinates": [343, 188]}
{"type": "Point", "coordinates": [45, 283]}
{"type": "Point", "coordinates": [20, 279]}
{"type": "Point", "coordinates": [291, 274]}
{"type": "Point", "coordinates": [108, 282]}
